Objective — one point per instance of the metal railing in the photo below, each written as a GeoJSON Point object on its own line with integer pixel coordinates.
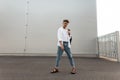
{"type": "Point", "coordinates": [108, 46]}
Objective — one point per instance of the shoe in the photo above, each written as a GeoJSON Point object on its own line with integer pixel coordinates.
{"type": "Point", "coordinates": [55, 70]}
{"type": "Point", "coordinates": [73, 71]}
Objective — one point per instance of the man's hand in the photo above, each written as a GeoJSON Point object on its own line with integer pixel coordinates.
{"type": "Point", "coordinates": [62, 47]}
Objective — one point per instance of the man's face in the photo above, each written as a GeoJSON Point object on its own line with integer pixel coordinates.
{"type": "Point", "coordinates": [65, 24]}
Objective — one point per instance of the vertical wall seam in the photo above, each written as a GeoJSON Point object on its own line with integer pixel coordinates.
{"type": "Point", "coordinates": [26, 24]}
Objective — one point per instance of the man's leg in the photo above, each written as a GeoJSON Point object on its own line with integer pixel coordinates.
{"type": "Point", "coordinates": [59, 54]}
{"type": "Point", "coordinates": [69, 54]}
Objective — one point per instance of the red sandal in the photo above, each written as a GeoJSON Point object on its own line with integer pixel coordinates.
{"type": "Point", "coordinates": [55, 70]}
{"type": "Point", "coordinates": [73, 71]}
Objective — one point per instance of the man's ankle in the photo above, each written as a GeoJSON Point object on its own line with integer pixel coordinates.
{"type": "Point", "coordinates": [56, 67]}
{"type": "Point", "coordinates": [73, 67]}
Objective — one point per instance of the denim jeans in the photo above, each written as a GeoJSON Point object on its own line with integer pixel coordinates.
{"type": "Point", "coordinates": [68, 52]}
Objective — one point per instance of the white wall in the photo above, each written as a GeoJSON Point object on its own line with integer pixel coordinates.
{"type": "Point", "coordinates": [12, 26]}
{"type": "Point", "coordinates": [44, 18]}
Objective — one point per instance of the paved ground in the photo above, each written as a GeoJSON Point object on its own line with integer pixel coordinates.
{"type": "Point", "coordinates": [37, 68]}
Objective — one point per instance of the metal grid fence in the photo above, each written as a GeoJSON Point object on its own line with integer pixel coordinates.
{"type": "Point", "coordinates": [108, 46]}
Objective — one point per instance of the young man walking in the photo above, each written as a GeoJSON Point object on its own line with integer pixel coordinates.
{"type": "Point", "coordinates": [64, 45]}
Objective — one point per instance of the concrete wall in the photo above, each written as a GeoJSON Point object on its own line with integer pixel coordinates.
{"type": "Point", "coordinates": [43, 19]}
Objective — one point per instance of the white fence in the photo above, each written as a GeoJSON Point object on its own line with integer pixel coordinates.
{"type": "Point", "coordinates": [108, 46]}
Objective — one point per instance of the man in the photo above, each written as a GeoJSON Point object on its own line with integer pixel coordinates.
{"type": "Point", "coordinates": [64, 45]}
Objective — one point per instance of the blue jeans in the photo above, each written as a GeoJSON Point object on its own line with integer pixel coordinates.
{"type": "Point", "coordinates": [69, 54]}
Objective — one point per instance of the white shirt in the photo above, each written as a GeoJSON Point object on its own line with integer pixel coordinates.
{"type": "Point", "coordinates": [62, 35]}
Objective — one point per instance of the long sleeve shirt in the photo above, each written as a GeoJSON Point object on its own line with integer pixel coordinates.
{"type": "Point", "coordinates": [62, 35]}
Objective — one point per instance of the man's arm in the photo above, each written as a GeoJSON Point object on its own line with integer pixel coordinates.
{"type": "Point", "coordinates": [60, 39]}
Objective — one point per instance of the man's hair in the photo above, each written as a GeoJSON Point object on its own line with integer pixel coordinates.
{"type": "Point", "coordinates": [65, 20]}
